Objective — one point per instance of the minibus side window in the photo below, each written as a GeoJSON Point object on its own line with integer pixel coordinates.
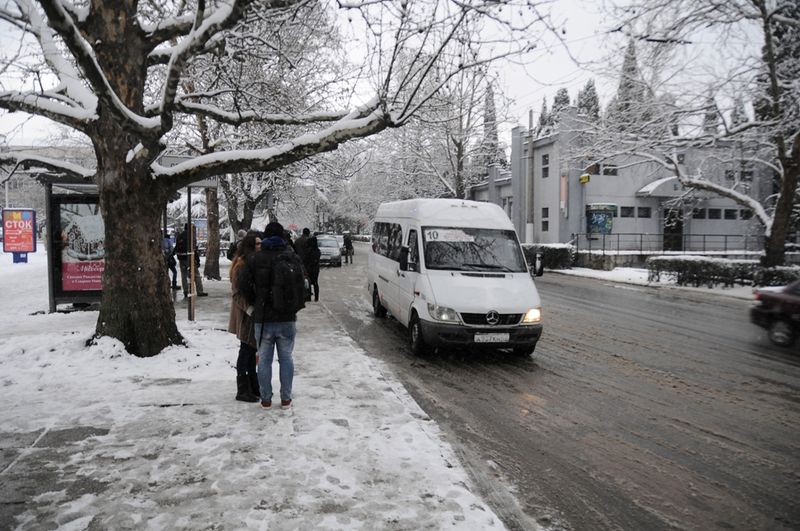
{"type": "Point", "coordinates": [376, 236]}
{"type": "Point", "coordinates": [413, 251]}
{"type": "Point", "coordinates": [384, 239]}
{"type": "Point", "coordinates": [395, 242]}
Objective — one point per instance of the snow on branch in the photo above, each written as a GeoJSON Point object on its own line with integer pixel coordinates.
{"type": "Point", "coordinates": [356, 125]}
{"type": "Point", "coordinates": [237, 118]}
{"type": "Point", "coordinates": [30, 161]}
{"type": "Point", "coordinates": [48, 106]}
{"type": "Point", "coordinates": [62, 22]}
{"type": "Point", "coordinates": [166, 30]}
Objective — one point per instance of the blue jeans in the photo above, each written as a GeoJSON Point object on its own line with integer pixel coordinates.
{"type": "Point", "coordinates": [269, 336]}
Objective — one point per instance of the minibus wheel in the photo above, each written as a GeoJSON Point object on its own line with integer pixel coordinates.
{"type": "Point", "coordinates": [417, 342]}
{"type": "Point", "coordinates": [377, 308]}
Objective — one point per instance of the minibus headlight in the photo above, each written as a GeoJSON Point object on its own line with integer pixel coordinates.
{"type": "Point", "coordinates": [440, 313]}
{"type": "Point", "coordinates": [534, 315]}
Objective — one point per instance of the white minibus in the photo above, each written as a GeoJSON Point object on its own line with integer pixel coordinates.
{"type": "Point", "coordinates": [452, 271]}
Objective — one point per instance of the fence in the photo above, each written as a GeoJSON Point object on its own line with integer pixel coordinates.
{"type": "Point", "coordinates": [644, 243]}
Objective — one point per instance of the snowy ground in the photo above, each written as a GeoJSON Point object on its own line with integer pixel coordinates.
{"type": "Point", "coordinates": [95, 438]}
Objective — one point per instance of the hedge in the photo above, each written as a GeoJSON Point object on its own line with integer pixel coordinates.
{"type": "Point", "coordinates": [554, 256]}
{"type": "Point", "coordinates": [688, 270]}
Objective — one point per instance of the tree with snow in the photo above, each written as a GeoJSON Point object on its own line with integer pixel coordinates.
{"type": "Point", "coordinates": [588, 102]}
{"type": "Point", "coordinates": [117, 72]}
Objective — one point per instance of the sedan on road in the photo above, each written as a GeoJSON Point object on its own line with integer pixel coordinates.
{"type": "Point", "coordinates": [330, 252]}
{"type": "Point", "coordinates": [778, 311]}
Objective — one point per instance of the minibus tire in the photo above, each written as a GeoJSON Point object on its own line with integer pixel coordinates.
{"type": "Point", "coordinates": [377, 308]}
{"type": "Point", "coordinates": [415, 339]}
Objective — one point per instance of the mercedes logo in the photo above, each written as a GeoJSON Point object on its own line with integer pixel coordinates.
{"type": "Point", "coordinates": [492, 317]}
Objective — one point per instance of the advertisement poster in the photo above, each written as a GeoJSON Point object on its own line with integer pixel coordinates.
{"type": "Point", "coordinates": [19, 230]}
{"type": "Point", "coordinates": [600, 218]}
{"type": "Point", "coordinates": [202, 229]}
{"type": "Point", "coordinates": [83, 252]}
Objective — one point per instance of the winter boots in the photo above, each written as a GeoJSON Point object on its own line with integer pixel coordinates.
{"type": "Point", "coordinates": [244, 391]}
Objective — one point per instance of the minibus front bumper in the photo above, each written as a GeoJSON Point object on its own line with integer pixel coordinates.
{"type": "Point", "coordinates": [443, 335]}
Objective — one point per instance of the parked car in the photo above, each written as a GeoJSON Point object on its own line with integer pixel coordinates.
{"type": "Point", "coordinates": [330, 252]}
{"type": "Point", "coordinates": [778, 311]}
{"type": "Point", "coordinates": [340, 239]}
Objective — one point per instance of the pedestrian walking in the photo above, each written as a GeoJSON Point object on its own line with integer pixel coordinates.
{"type": "Point", "coordinates": [182, 252]}
{"type": "Point", "coordinates": [311, 265]}
{"type": "Point", "coordinates": [272, 281]}
{"type": "Point", "coordinates": [241, 324]}
{"type": "Point", "coordinates": [300, 243]}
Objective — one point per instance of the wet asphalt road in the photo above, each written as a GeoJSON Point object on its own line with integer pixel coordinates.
{"type": "Point", "coordinates": [642, 408]}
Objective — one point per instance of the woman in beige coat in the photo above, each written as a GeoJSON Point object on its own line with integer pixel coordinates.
{"type": "Point", "coordinates": [241, 324]}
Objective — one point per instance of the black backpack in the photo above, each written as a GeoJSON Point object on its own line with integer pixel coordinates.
{"type": "Point", "coordinates": [287, 283]}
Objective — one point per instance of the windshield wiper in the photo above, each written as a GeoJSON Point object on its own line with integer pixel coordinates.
{"type": "Point", "coordinates": [489, 266]}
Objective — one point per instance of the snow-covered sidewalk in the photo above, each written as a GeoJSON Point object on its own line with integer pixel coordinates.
{"type": "Point", "coordinates": [92, 438]}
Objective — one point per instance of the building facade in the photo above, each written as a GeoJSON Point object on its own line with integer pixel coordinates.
{"type": "Point", "coordinates": [624, 203]}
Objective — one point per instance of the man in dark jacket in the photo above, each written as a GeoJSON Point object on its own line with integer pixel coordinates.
{"type": "Point", "coordinates": [273, 328]}
{"type": "Point", "coordinates": [301, 242]}
{"type": "Point", "coordinates": [182, 252]}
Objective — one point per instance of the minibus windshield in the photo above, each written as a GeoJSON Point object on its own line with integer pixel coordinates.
{"type": "Point", "coordinates": [470, 249]}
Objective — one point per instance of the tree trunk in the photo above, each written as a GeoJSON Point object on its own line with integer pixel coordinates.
{"type": "Point", "coordinates": [211, 270]}
{"type": "Point", "coordinates": [775, 246]}
{"type": "Point", "coordinates": [136, 306]}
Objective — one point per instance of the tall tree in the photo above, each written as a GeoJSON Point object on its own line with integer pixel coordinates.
{"type": "Point", "coordinates": [560, 102]}
{"type": "Point", "coordinates": [544, 122]}
{"type": "Point", "coordinates": [115, 71]}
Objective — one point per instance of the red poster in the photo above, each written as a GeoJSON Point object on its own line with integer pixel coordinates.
{"type": "Point", "coordinates": [83, 253]}
{"type": "Point", "coordinates": [19, 230]}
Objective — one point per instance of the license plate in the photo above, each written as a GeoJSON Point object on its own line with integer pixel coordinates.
{"type": "Point", "coordinates": [498, 337]}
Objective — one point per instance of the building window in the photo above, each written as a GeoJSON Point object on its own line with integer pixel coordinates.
{"type": "Point", "coordinates": [545, 212]}
{"type": "Point", "coordinates": [644, 212]}
{"type": "Point", "coordinates": [729, 174]}
{"type": "Point", "coordinates": [699, 213]}
{"type": "Point", "coordinates": [681, 158]}
{"type": "Point", "coordinates": [545, 160]}
{"type": "Point", "coordinates": [545, 225]}
{"type": "Point", "coordinates": [730, 213]}
{"type": "Point", "coordinates": [545, 172]}
{"type": "Point", "coordinates": [609, 169]}
{"type": "Point", "coordinates": [714, 213]}
{"type": "Point", "coordinates": [626, 212]}
{"type": "Point", "coordinates": [746, 214]}
{"type": "Point", "coordinates": [747, 175]}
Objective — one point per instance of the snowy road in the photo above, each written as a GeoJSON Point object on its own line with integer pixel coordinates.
{"type": "Point", "coordinates": [642, 408]}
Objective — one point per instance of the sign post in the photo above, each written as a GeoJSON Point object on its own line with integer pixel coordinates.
{"type": "Point", "coordinates": [19, 233]}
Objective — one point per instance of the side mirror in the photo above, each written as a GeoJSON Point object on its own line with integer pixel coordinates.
{"type": "Point", "coordinates": [403, 258]}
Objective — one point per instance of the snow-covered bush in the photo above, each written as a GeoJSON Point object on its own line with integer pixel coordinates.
{"type": "Point", "coordinates": [775, 276]}
{"type": "Point", "coordinates": [691, 270]}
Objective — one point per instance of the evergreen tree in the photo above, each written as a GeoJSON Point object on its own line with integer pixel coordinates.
{"type": "Point", "coordinates": [490, 148]}
{"type": "Point", "coordinates": [560, 102]}
{"type": "Point", "coordinates": [588, 103]}
{"type": "Point", "coordinates": [544, 119]}
{"type": "Point", "coordinates": [630, 108]}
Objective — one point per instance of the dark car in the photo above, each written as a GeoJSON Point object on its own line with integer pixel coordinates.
{"type": "Point", "coordinates": [778, 311]}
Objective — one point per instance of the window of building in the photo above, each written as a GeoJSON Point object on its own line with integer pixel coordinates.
{"type": "Point", "coordinates": [545, 160]}
{"type": "Point", "coordinates": [643, 212]}
{"type": "Point", "coordinates": [699, 213]}
{"type": "Point", "coordinates": [545, 172]}
{"type": "Point", "coordinates": [545, 213]}
{"type": "Point", "coordinates": [609, 169]}
{"type": "Point", "coordinates": [594, 169]}
{"type": "Point", "coordinates": [626, 212]}
{"type": "Point", "coordinates": [681, 158]}
{"type": "Point", "coordinates": [746, 214]}
{"type": "Point", "coordinates": [729, 174]}
{"type": "Point", "coordinates": [714, 213]}
{"type": "Point", "coordinates": [545, 166]}
{"type": "Point", "coordinates": [747, 175]}
{"type": "Point", "coordinates": [730, 213]}
{"type": "Point", "coordinates": [545, 225]}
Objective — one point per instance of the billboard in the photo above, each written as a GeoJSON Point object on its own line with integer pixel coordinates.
{"type": "Point", "coordinates": [81, 234]}
{"type": "Point", "coordinates": [19, 230]}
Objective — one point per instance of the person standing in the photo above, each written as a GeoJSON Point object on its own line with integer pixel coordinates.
{"type": "Point", "coordinates": [300, 243]}
{"type": "Point", "coordinates": [271, 280]}
{"type": "Point", "coordinates": [182, 250]}
{"type": "Point", "coordinates": [348, 248]}
{"type": "Point", "coordinates": [240, 234]}
{"type": "Point", "coordinates": [311, 265]}
{"type": "Point", "coordinates": [241, 324]}
{"type": "Point", "coordinates": [169, 259]}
